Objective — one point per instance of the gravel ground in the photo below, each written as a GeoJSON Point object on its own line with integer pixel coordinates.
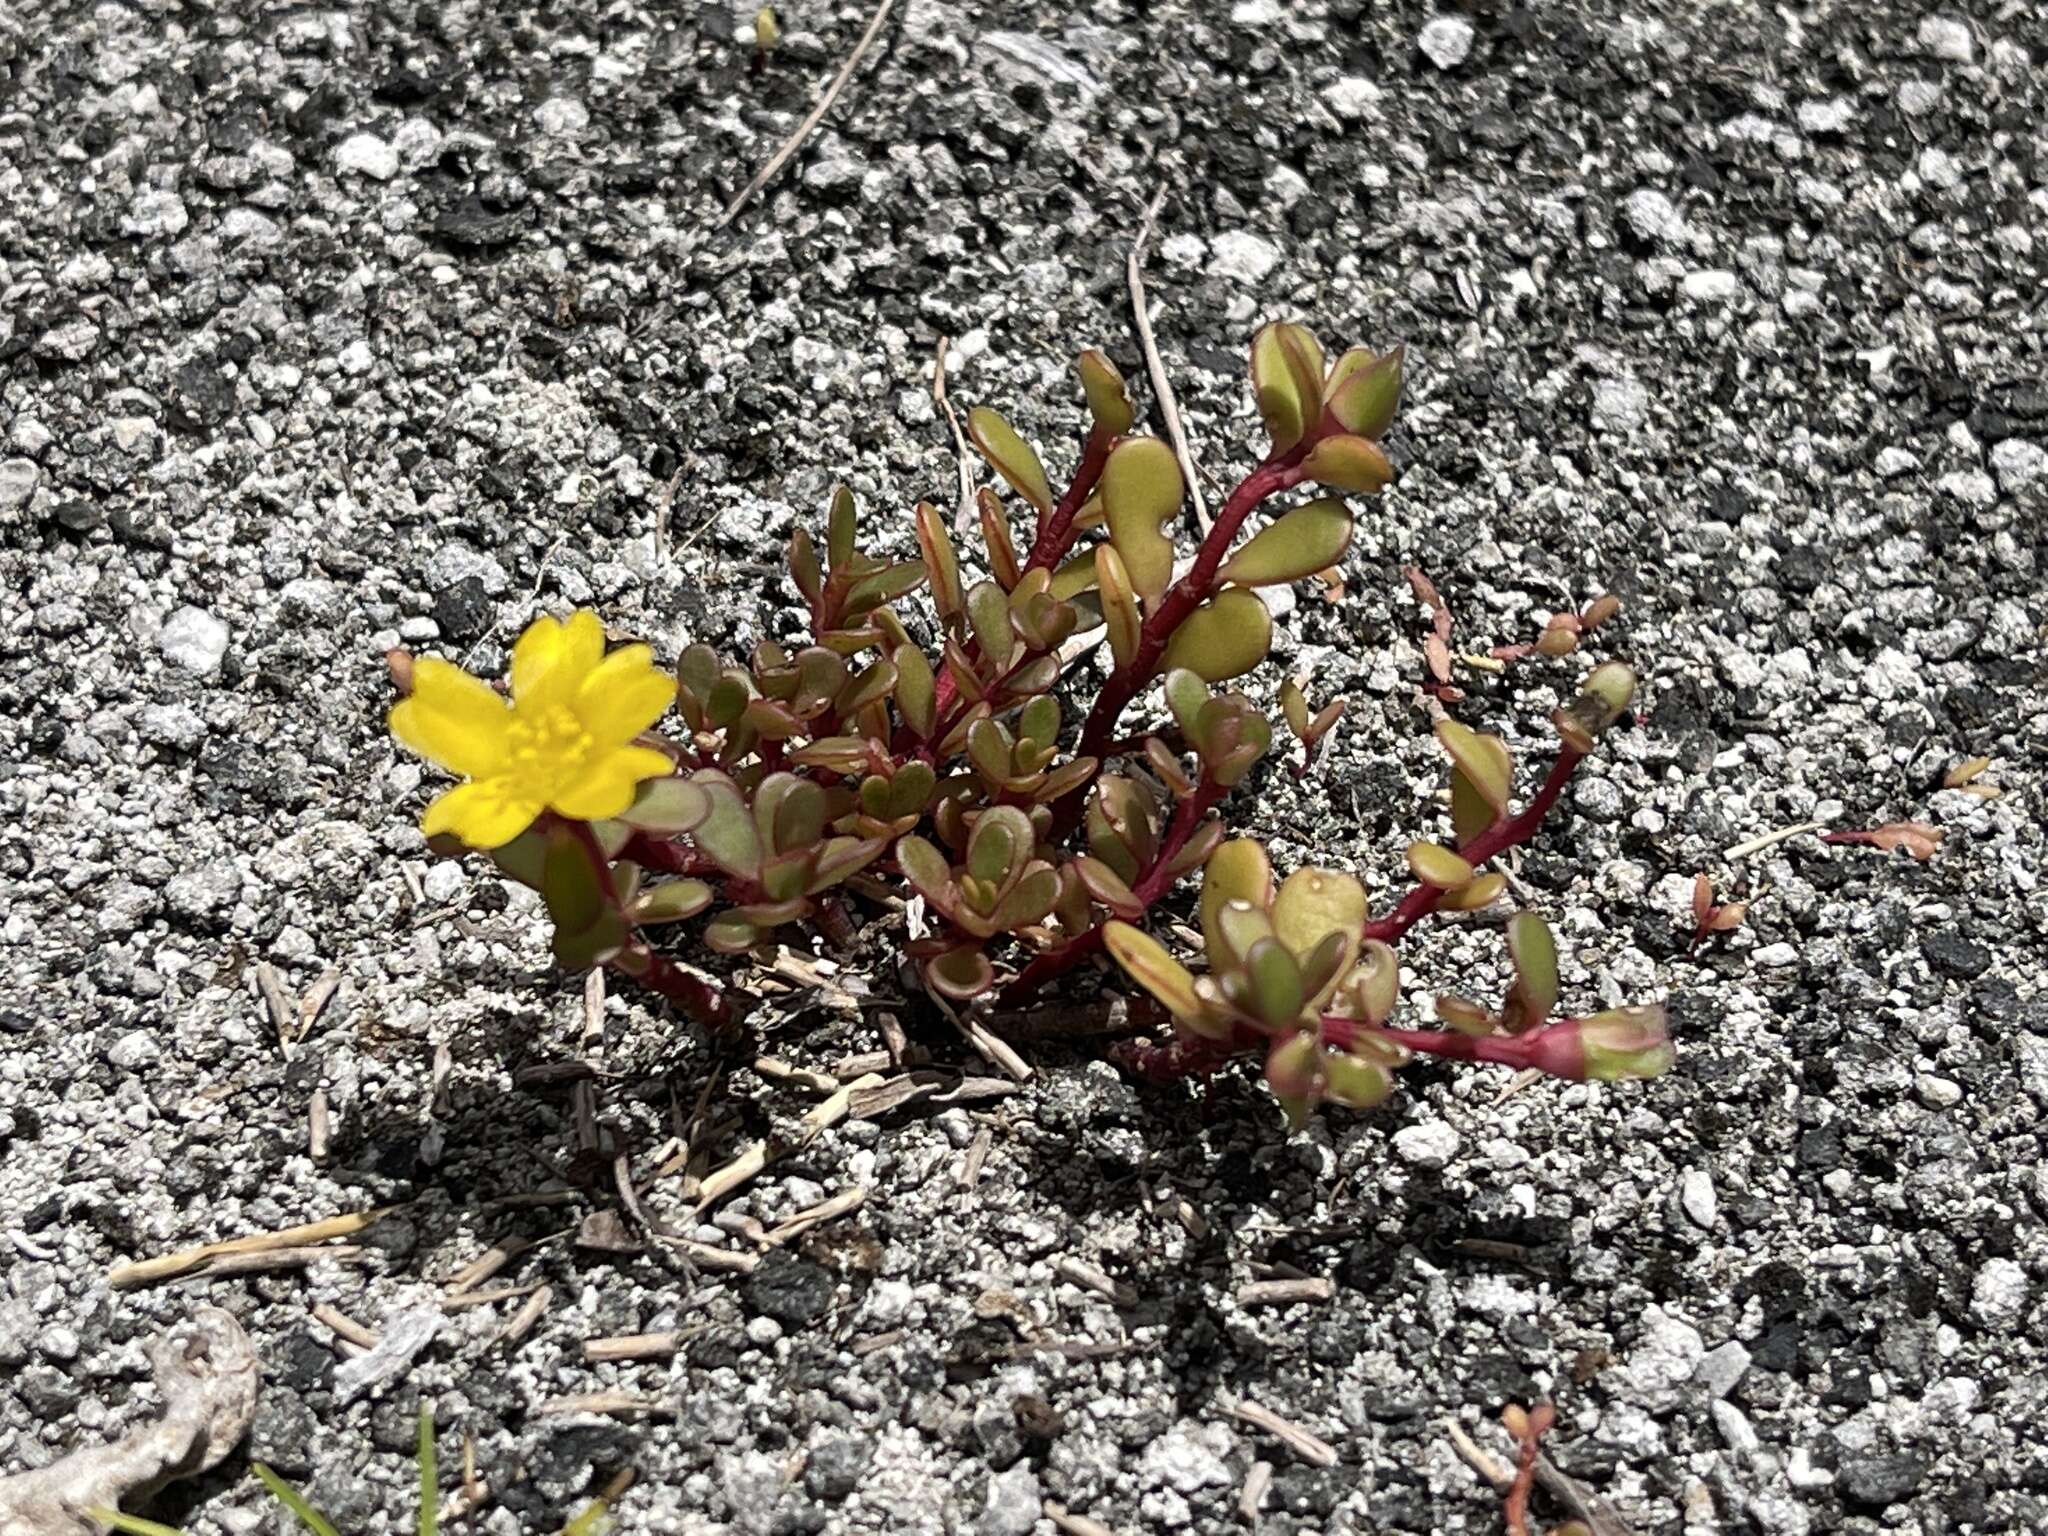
{"type": "Point", "coordinates": [323, 330]}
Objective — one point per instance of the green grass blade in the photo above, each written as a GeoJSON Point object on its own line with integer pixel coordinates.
{"type": "Point", "coordinates": [294, 1501]}
{"type": "Point", "coordinates": [592, 1522]}
{"type": "Point", "coordinates": [131, 1525]}
{"type": "Point", "coordinates": [430, 1475]}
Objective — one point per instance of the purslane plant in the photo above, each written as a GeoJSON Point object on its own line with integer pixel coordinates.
{"type": "Point", "coordinates": [858, 762]}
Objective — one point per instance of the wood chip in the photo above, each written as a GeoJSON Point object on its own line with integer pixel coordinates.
{"type": "Point", "coordinates": [849, 1067]}
{"type": "Point", "coordinates": [1253, 1497]}
{"type": "Point", "coordinates": [495, 1258]}
{"type": "Point", "coordinates": [1073, 1524]}
{"type": "Point", "coordinates": [1310, 1448]}
{"type": "Point", "coordinates": [632, 1346]}
{"type": "Point", "coordinates": [977, 1155]}
{"type": "Point", "coordinates": [317, 997]}
{"type": "Point", "coordinates": [275, 1261]}
{"type": "Point", "coordinates": [993, 1048]}
{"type": "Point", "coordinates": [318, 1126]}
{"type": "Point", "coordinates": [1089, 1278]}
{"type": "Point", "coordinates": [841, 1204]}
{"type": "Point", "coordinates": [151, 1271]}
{"type": "Point", "coordinates": [1279, 1293]}
{"type": "Point", "coordinates": [284, 1016]}
{"type": "Point", "coordinates": [523, 1320]}
{"type": "Point", "coordinates": [345, 1327]}
{"type": "Point", "coordinates": [778, 1070]}
{"type": "Point", "coordinates": [868, 1346]}
{"type": "Point", "coordinates": [488, 1298]}
{"type": "Point", "coordinates": [619, 1404]}
{"type": "Point", "coordinates": [1162, 386]}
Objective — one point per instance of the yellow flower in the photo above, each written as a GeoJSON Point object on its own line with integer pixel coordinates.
{"type": "Point", "coordinates": [563, 742]}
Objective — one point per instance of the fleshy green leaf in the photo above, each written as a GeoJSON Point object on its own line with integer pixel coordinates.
{"type": "Point", "coordinates": [1224, 638]}
{"type": "Point", "coordinates": [1534, 952]}
{"type": "Point", "coordinates": [1302, 542]}
{"type": "Point", "coordinates": [959, 973]}
{"type": "Point", "coordinates": [1364, 401]}
{"type": "Point", "coordinates": [841, 857]}
{"type": "Point", "coordinates": [667, 805]}
{"type": "Point", "coordinates": [885, 586]}
{"type": "Point", "coordinates": [1109, 403]}
{"type": "Point", "coordinates": [839, 530]}
{"type": "Point", "coordinates": [727, 835]}
{"type": "Point", "coordinates": [941, 565]}
{"type": "Point", "coordinates": [1277, 995]}
{"type": "Point", "coordinates": [1355, 1082]}
{"type": "Point", "coordinates": [1108, 887]}
{"type": "Point", "coordinates": [1313, 902]}
{"type": "Point", "coordinates": [1010, 456]}
{"type": "Point", "coordinates": [995, 538]}
{"type": "Point", "coordinates": [1436, 865]}
{"type": "Point", "coordinates": [988, 614]}
{"type": "Point", "coordinates": [1483, 759]}
{"type": "Point", "coordinates": [1237, 871]}
{"type": "Point", "coordinates": [926, 868]}
{"type": "Point", "coordinates": [1001, 841]}
{"type": "Point", "coordinates": [1275, 388]}
{"type": "Point", "coordinates": [1119, 604]}
{"type": "Point", "coordinates": [1028, 901]}
{"type": "Point", "coordinates": [729, 933]}
{"type": "Point", "coordinates": [916, 689]}
{"type": "Point", "coordinates": [1146, 962]}
{"type": "Point", "coordinates": [1141, 489]}
{"type": "Point", "coordinates": [1376, 984]}
{"type": "Point", "coordinates": [1482, 892]}
{"type": "Point", "coordinates": [671, 901]}
{"type": "Point", "coordinates": [1348, 463]}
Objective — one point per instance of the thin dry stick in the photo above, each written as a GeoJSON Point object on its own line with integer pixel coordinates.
{"type": "Point", "coordinates": [804, 129]}
{"type": "Point", "coordinates": [601, 1402]}
{"type": "Point", "coordinates": [1253, 1497]}
{"type": "Point", "coordinates": [825, 1210]}
{"type": "Point", "coordinates": [523, 1320]}
{"type": "Point", "coordinates": [964, 517]}
{"type": "Point", "coordinates": [1278, 1293]}
{"type": "Point", "coordinates": [1309, 1447]}
{"type": "Point", "coordinates": [171, 1265]}
{"type": "Point", "coordinates": [283, 1016]}
{"type": "Point", "coordinates": [1770, 840]}
{"type": "Point", "coordinates": [632, 1346]}
{"type": "Point", "coordinates": [346, 1327]}
{"type": "Point", "coordinates": [1162, 390]}
{"type": "Point", "coordinates": [1073, 1524]}
{"type": "Point", "coordinates": [275, 1262]}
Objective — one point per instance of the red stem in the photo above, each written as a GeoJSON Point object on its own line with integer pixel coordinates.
{"type": "Point", "coordinates": [1054, 537]}
{"type": "Point", "coordinates": [1056, 533]}
{"type": "Point", "coordinates": [1186, 595]}
{"type": "Point", "coordinates": [698, 1000]}
{"type": "Point", "coordinates": [1150, 886]}
{"type": "Point", "coordinates": [1544, 1049]}
{"type": "Point", "coordinates": [1508, 832]}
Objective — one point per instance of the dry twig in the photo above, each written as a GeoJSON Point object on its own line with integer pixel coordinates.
{"type": "Point", "coordinates": [1162, 387]}
{"type": "Point", "coordinates": [804, 129]}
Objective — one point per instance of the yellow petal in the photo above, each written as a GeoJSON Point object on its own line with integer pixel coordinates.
{"type": "Point", "coordinates": [485, 815]}
{"type": "Point", "coordinates": [453, 718]}
{"type": "Point", "coordinates": [624, 695]}
{"type": "Point", "coordinates": [551, 659]}
{"type": "Point", "coordinates": [610, 783]}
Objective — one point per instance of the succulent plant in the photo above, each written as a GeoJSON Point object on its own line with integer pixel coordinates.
{"type": "Point", "coordinates": [990, 781]}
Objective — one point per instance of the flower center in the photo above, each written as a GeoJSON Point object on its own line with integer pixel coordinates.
{"type": "Point", "coordinates": [550, 747]}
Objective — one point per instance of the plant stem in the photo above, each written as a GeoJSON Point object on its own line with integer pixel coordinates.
{"type": "Point", "coordinates": [1150, 886]}
{"type": "Point", "coordinates": [698, 1000]}
{"type": "Point", "coordinates": [1507, 832]}
{"type": "Point", "coordinates": [1049, 546]}
{"type": "Point", "coordinates": [1538, 1048]}
{"type": "Point", "coordinates": [1056, 532]}
{"type": "Point", "coordinates": [1275, 475]}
